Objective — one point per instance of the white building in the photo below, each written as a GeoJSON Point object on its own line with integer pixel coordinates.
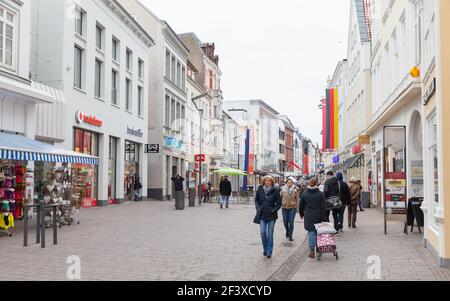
{"type": "Point", "coordinates": [358, 93]}
{"type": "Point", "coordinates": [98, 55]}
{"type": "Point", "coordinates": [204, 59]}
{"type": "Point", "coordinates": [396, 122]}
{"type": "Point", "coordinates": [18, 94]}
{"type": "Point", "coordinates": [262, 122]}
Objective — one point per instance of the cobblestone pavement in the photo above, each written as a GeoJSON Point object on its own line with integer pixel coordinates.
{"type": "Point", "coordinates": [152, 241]}
{"type": "Point", "coordinates": [402, 257]}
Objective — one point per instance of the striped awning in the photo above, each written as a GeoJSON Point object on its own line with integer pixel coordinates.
{"type": "Point", "coordinates": [20, 148]}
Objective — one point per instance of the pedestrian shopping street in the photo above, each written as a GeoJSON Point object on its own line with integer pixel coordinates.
{"type": "Point", "coordinates": [153, 241]}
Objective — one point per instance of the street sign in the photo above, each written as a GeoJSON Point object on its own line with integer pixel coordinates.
{"type": "Point", "coordinates": [152, 148]}
{"type": "Point", "coordinates": [200, 158]}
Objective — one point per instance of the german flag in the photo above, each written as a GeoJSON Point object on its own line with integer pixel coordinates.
{"type": "Point", "coordinates": [330, 120]}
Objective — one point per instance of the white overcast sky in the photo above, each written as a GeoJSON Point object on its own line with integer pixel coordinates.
{"type": "Point", "coordinates": [281, 51]}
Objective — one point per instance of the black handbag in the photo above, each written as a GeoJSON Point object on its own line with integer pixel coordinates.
{"type": "Point", "coordinates": [257, 218]}
{"type": "Point", "coordinates": [334, 202]}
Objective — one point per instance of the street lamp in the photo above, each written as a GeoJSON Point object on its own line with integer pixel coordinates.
{"type": "Point", "coordinates": [238, 144]}
{"type": "Point", "coordinates": [201, 143]}
{"type": "Point", "coordinates": [247, 149]}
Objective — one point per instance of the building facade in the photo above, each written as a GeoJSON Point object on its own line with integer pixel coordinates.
{"type": "Point", "coordinates": [102, 67]}
{"type": "Point", "coordinates": [435, 73]}
{"type": "Point", "coordinates": [396, 123]}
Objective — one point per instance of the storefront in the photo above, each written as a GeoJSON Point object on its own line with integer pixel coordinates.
{"type": "Point", "coordinates": [131, 170]}
{"type": "Point", "coordinates": [32, 171]}
{"type": "Point", "coordinates": [86, 176]}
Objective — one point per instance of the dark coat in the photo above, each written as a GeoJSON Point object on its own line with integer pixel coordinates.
{"type": "Point", "coordinates": [312, 208]}
{"type": "Point", "coordinates": [178, 183]}
{"type": "Point", "coordinates": [225, 187]}
{"type": "Point", "coordinates": [345, 193]}
{"type": "Point", "coordinates": [269, 205]}
{"type": "Point", "coordinates": [331, 187]}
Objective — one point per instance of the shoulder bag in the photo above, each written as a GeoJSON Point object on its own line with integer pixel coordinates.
{"type": "Point", "coordinates": [334, 202]}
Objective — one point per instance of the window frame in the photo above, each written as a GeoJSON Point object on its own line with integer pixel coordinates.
{"type": "Point", "coordinates": [115, 52]}
{"type": "Point", "coordinates": [80, 67]}
{"type": "Point", "coordinates": [99, 34]}
{"type": "Point", "coordinates": [98, 78]}
{"type": "Point", "coordinates": [140, 102]}
{"type": "Point", "coordinates": [128, 94]}
{"type": "Point", "coordinates": [114, 86]}
{"type": "Point", "coordinates": [4, 38]}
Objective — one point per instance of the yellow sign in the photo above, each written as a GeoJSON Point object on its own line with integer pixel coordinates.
{"type": "Point", "coordinates": [364, 139]}
{"type": "Point", "coordinates": [395, 183]}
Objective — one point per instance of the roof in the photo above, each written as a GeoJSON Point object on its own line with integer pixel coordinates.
{"type": "Point", "coordinates": [131, 20]}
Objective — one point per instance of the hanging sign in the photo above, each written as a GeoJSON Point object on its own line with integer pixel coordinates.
{"type": "Point", "coordinates": [152, 148]}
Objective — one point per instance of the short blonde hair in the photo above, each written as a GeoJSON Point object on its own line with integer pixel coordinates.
{"type": "Point", "coordinates": [270, 178]}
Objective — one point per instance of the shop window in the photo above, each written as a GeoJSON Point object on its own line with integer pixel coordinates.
{"type": "Point", "coordinates": [434, 164]}
{"type": "Point", "coordinates": [131, 167]}
{"type": "Point", "coordinates": [84, 177]}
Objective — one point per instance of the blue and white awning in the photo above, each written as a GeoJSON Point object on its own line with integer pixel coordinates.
{"type": "Point", "coordinates": [20, 148]}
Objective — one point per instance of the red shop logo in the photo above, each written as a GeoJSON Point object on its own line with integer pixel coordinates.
{"type": "Point", "coordinates": [80, 117]}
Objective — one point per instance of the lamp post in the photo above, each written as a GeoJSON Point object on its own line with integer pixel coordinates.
{"type": "Point", "coordinates": [238, 144]}
{"type": "Point", "coordinates": [247, 142]}
{"type": "Point", "coordinates": [201, 144]}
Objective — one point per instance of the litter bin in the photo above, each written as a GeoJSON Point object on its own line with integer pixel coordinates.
{"type": "Point", "coordinates": [192, 196]}
{"type": "Point", "coordinates": [179, 200]}
{"type": "Point", "coordinates": [365, 199]}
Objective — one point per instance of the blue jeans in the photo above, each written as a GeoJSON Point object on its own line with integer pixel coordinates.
{"type": "Point", "coordinates": [341, 215]}
{"type": "Point", "coordinates": [224, 200]}
{"type": "Point", "coordinates": [266, 229]}
{"type": "Point", "coordinates": [312, 239]}
{"type": "Point", "coordinates": [288, 219]}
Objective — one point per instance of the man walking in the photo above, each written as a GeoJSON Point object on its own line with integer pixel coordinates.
{"type": "Point", "coordinates": [332, 189]}
{"type": "Point", "coordinates": [225, 192]}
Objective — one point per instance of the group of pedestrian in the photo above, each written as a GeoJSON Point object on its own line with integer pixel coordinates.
{"type": "Point", "coordinates": [314, 205]}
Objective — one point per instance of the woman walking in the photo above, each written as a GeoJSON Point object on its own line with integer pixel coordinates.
{"type": "Point", "coordinates": [290, 194]}
{"type": "Point", "coordinates": [268, 203]}
{"type": "Point", "coordinates": [312, 210]}
{"type": "Point", "coordinates": [355, 195]}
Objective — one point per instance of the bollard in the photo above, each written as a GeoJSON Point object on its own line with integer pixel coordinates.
{"type": "Point", "coordinates": [55, 227]}
{"type": "Point", "coordinates": [38, 223]}
{"type": "Point", "coordinates": [25, 226]}
{"type": "Point", "coordinates": [42, 209]}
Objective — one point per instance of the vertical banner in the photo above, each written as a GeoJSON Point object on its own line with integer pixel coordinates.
{"type": "Point", "coordinates": [324, 124]}
{"type": "Point", "coordinates": [246, 164]}
{"type": "Point", "coordinates": [330, 121]}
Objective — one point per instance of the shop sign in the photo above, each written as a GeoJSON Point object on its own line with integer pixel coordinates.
{"type": "Point", "coordinates": [80, 117]}
{"type": "Point", "coordinates": [135, 132]}
{"type": "Point", "coordinates": [364, 139]}
{"type": "Point", "coordinates": [130, 148]}
{"type": "Point", "coordinates": [200, 158]}
{"type": "Point", "coordinates": [152, 148]}
{"type": "Point", "coordinates": [336, 159]}
{"type": "Point", "coordinates": [172, 142]}
{"type": "Point", "coordinates": [395, 184]}
{"type": "Point", "coordinates": [429, 92]}
{"type": "Point", "coordinates": [357, 149]}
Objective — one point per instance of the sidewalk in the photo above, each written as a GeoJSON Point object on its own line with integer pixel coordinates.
{"type": "Point", "coordinates": [402, 257]}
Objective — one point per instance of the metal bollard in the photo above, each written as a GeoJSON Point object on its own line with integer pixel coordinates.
{"type": "Point", "coordinates": [38, 223]}
{"type": "Point", "coordinates": [42, 207]}
{"type": "Point", "coordinates": [25, 226]}
{"type": "Point", "coordinates": [55, 227]}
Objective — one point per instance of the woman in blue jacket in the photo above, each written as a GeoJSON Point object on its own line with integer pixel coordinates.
{"type": "Point", "coordinates": [268, 203]}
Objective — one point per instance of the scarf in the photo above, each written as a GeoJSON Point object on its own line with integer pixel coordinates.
{"type": "Point", "coordinates": [267, 189]}
{"type": "Point", "coordinates": [288, 190]}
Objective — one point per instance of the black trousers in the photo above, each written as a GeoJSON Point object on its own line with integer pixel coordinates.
{"type": "Point", "coordinates": [335, 218]}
